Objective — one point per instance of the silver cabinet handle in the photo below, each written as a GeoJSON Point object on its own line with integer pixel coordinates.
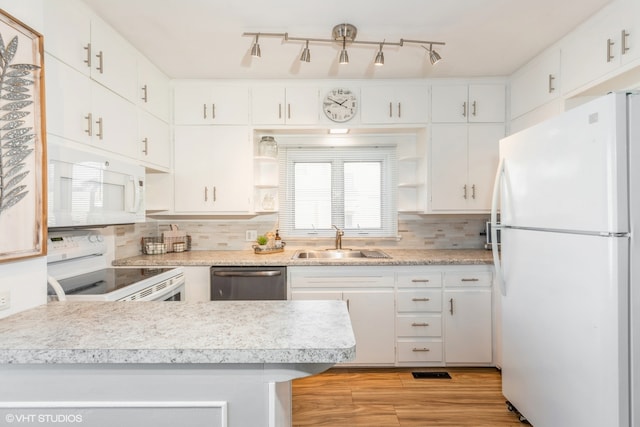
{"type": "Point", "coordinates": [288, 111]}
{"type": "Point", "coordinates": [88, 58]}
{"type": "Point", "coordinates": [551, 79]}
{"type": "Point", "coordinates": [399, 109]}
{"type": "Point", "coordinates": [420, 349]}
{"type": "Point", "coordinates": [279, 111]}
{"type": "Point", "coordinates": [206, 194]}
{"type": "Point", "coordinates": [100, 134]}
{"type": "Point", "coordinates": [89, 129]}
{"type": "Point", "coordinates": [610, 44]}
{"type": "Point", "coordinates": [348, 304]}
{"type": "Point", "coordinates": [145, 150]}
{"type": "Point", "coordinates": [473, 191]}
{"type": "Point", "coordinates": [420, 280]}
{"type": "Point", "coordinates": [464, 109]}
{"type": "Point", "coordinates": [204, 111]}
{"type": "Point", "coordinates": [213, 111]}
{"type": "Point", "coordinates": [420, 299]}
{"type": "Point", "coordinates": [100, 66]}
{"type": "Point", "coordinates": [473, 111]}
{"type": "Point", "coordinates": [451, 306]}
{"type": "Point", "coordinates": [623, 42]}
{"type": "Point", "coordinates": [145, 92]}
{"type": "Point", "coordinates": [391, 109]}
{"type": "Point", "coordinates": [464, 195]}
{"type": "Point", "coordinates": [419, 324]}
{"type": "Point", "coordinates": [214, 193]}
{"type": "Point", "coordinates": [472, 279]}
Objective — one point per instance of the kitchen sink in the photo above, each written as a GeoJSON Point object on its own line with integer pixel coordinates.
{"type": "Point", "coordinates": [339, 254]}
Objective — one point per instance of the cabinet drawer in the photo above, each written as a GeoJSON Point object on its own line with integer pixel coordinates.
{"type": "Point", "coordinates": [417, 300]}
{"type": "Point", "coordinates": [419, 351]}
{"type": "Point", "coordinates": [419, 280]}
{"type": "Point", "coordinates": [419, 326]}
{"type": "Point", "coordinates": [471, 278]}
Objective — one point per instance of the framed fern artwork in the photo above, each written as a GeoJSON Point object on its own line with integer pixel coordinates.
{"type": "Point", "coordinates": [22, 142]}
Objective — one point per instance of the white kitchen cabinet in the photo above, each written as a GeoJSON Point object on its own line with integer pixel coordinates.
{"type": "Point", "coordinates": [394, 104]}
{"type": "Point", "coordinates": [212, 169]}
{"type": "Point", "coordinates": [602, 44]}
{"type": "Point", "coordinates": [369, 295]}
{"type": "Point", "coordinates": [419, 316]}
{"type": "Point", "coordinates": [94, 115]}
{"type": "Point", "coordinates": [468, 317]}
{"type": "Point", "coordinates": [535, 84]}
{"type": "Point", "coordinates": [154, 145]}
{"type": "Point", "coordinates": [461, 103]}
{"type": "Point", "coordinates": [79, 38]}
{"type": "Point", "coordinates": [273, 105]}
{"type": "Point", "coordinates": [198, 103]}
{"type": "Point", "coordinates": [153, 90]}
{"type": "Point", "coordinates": [463, 162]}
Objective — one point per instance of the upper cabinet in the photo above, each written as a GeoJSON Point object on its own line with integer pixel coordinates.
{"type": "Point", "coordinates": [83, 41]}
{"type": "Point", "coordinates": [607, 41]}
{"type": "Point", "coordinates": [461, 103]}
{"type": "Point", "coordinates": [276, 105]}
{"type": "Point", "coordinates": [536, 83]}
{"type": "Point", "coordinates": [153, 90]}
{"type": "Point", "coordinates": [394, 104]}
{"type": "Point", "coordinates": [206, 103]}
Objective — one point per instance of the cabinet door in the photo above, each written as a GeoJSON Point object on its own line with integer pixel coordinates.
{"type": "Point", "coordinates": [67, 116]}
{"type": "Point", "coordinates": [536, 83]}
{"type": "Point", "coordinates": [302, 106]}
{"type": "Point", "coordinates": [68, 33]}
{"type": "Point", "coordinates": [267, 105]}
{"type": "Point", "coordinates": [483, 157]}
{"type": "Point", "coordinates": [449, 163]}
{"type": "Point", "coordinates": [212, 169]}
{"type": "Point", "coordinates": [204, 103]}
{"type": "Point", "coordinates": [486, 103]}
{"type": "Point", "coordinates": [153, 89]}
{"type": "Point", "coordinates": [394, 104]}
{"type": "Point", "coordinates": [449, 104]}
{"type": "Point", "coordinates": [153, 140]}
{"type": "Point", "coordinates": [377, 104]}
{"type": "Point", "coordinates": [372, 317]}
{"type": "Point", "coordinates": [114, 60]}
{"type": "Point", "coordinates": [115, 126]}
{"type": "Point", "coordinates": [467, 326]}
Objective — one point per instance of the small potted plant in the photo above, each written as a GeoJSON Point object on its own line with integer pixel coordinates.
{"type": "Point", "coordinates": [262, 242]}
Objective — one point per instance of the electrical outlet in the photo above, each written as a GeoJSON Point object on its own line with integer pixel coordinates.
{"type": "Point", "coordinates": [251, 235]}
{"type": "Point", "coordinates": [5, 300]}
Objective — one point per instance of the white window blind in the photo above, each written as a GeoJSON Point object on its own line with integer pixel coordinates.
{"type": "Point", "coordinates": [353, 188]}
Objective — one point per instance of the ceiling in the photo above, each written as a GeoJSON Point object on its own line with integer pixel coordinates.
{"type": "Point", "coordinates": [203, 38]}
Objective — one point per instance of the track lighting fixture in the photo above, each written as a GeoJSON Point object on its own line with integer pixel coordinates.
{"type": "Point", "coordinates": [255, 49]}
{"type": "Point", "coordinates": [345, 33]}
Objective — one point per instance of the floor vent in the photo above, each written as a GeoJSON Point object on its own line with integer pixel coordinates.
{"type": "Point", "coordinates": [427, 375]}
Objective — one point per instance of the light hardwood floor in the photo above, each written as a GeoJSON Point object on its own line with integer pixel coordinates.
{"type": "Point", "coordinates": [392, 397]}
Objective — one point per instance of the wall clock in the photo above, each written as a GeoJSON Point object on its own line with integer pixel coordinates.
{"type": "Point", "coordinates": [340, 105]}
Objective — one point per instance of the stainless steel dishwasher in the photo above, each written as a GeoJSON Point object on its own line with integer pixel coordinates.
{"type": "Point", "coordinates": [248, 283]}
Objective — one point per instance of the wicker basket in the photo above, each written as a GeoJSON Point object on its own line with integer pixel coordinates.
{"type": "Point", "coordinates": [162, 245]}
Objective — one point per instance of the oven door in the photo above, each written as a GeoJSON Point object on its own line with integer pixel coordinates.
{"type": "Point", "coordinates": [173, 291]}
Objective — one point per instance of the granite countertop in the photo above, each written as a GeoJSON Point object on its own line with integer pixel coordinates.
{"type": "Point", "coordinates": [248, 258]}
{"type": "Point", "coordinates": [278, 332]}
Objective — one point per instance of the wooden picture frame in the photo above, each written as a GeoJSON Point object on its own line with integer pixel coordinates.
{"type": "Point", "coordinates": [23, 184]}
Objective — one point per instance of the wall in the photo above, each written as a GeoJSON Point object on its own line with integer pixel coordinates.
{"type": "Point", "coordinates": [415, 232]}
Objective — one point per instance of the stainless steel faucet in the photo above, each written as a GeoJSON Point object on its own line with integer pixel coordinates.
{"type": "Point", "coordinates": [339, 234]}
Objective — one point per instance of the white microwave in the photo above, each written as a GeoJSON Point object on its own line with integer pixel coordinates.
{"type": "Point", "coordinates": [86, 188]}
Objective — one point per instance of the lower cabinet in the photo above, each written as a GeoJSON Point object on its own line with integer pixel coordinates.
{"type": "Point", "coordinates": [409, 315]}
{"type": "Point", "coordinates": [369, 294]}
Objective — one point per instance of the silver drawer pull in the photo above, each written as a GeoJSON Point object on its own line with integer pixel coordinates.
{"type": "Point", "coordinates": [420, 299]}
{"type": "Point", "coordinates": [420, 349]}
{"type": "Point", "coordinates": [471, 280]}
{"type": "Point", "coordinates": [420, 280]}
{"type": "Point", "coordinates": [419, 324]}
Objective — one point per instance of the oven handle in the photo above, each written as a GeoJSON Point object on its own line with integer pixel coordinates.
{"type": "Point", "coordinates": [262, 273]}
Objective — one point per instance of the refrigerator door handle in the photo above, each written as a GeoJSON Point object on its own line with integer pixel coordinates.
{"type": "Point", "coordinates": [494, 226]}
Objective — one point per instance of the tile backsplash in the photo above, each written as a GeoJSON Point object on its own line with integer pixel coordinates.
{"type": "Point", "coordinates": [414, 231]}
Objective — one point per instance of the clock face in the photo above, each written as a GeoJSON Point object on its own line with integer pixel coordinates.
{"type": "Point", "coordinates": [340, 105]}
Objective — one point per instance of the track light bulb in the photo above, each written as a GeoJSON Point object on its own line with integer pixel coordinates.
{"type": "Point", "coordinates": [306, 53]}
{"type": "Point", "coordinates": [255, 49]}
{"type": "Point", "coordinates": [344, 56]}
{"type": "Point", "coordinates": [379, 58]}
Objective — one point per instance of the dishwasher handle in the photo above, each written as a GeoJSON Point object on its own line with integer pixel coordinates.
{"type": "Point", "coordinates": [261, 273]}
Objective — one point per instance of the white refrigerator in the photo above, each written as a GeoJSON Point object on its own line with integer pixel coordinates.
{"type": "Point", "coordinates": [569, 201]}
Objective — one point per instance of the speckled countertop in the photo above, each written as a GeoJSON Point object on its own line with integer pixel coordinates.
{"type": "Point", "coordinates": [278, 332]}
{"type": "Point", "coordinates": [248, 258]}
